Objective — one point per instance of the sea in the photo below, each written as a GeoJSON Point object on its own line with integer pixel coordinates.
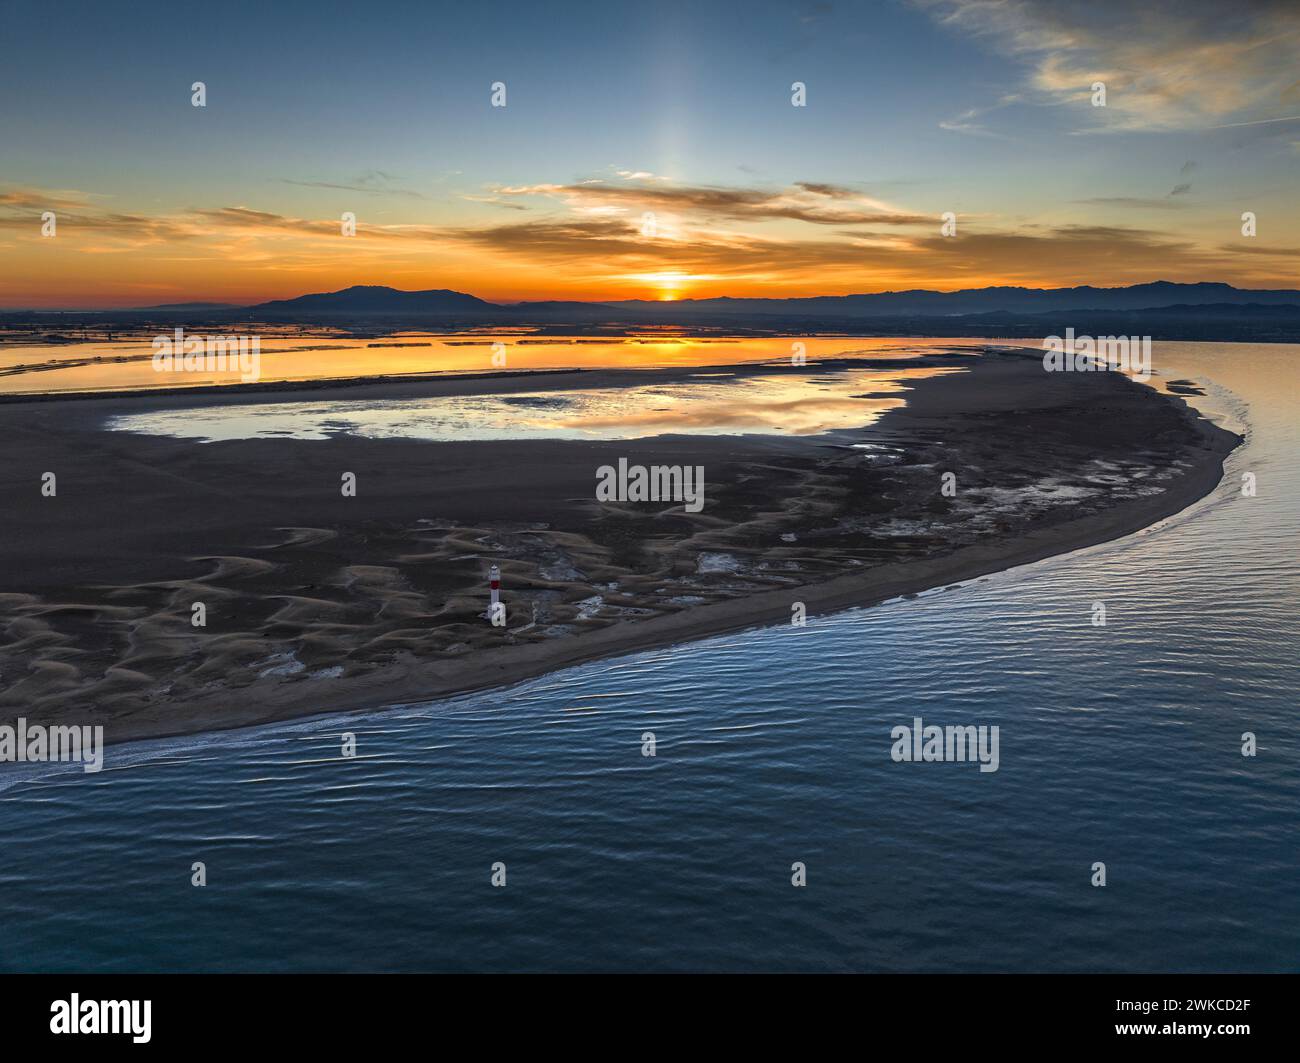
{"type": "Point", "coordinates": [653, 812]}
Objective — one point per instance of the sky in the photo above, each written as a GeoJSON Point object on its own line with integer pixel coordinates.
{"type": "Point", "coordinates": [644, 151]}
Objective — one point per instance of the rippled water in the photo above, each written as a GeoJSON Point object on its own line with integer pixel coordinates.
{"type": "Point", "coordinates": [1118, 744]}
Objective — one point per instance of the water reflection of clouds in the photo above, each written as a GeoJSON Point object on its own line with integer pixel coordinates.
{"type": "Point", "coordinates": [793, 416]}
{"type": "Point", "coordinates": [802, 404]}
{"type": "Point", "coordinates": [102, 366]}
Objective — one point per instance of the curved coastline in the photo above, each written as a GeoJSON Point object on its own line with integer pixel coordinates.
{"type": "Point", "coordinates": [409, 678]}
{"type": "Point", "coordinates": [506, 666]}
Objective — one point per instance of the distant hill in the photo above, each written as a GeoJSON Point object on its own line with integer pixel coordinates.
{"type": "Point", "coordinates": [366, 300]}
{"type": "Point", "coordinates": [1203, 311]}
{"type": "Point", "coordinates": [921, 302]}
{"type": "Point", "coordinates": [376, 299]}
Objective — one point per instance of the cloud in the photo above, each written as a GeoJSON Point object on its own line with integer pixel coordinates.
{"type": "Point", "coordinates": [43, 199]}
{"type": "Point", "coordinates": [1166, 64]}
{"type": "Point", "coordinates": [21, 210]}
{"type": "Point", "coordinates": [226, 229]}
{"type": "Point", "coordinates": [806, 201]}
{"type": "Point", "coordinates": [585, 253]}
{"type": "Point", "coordinates": [370, 183]}
{"type": "Point", "coordinates": [962, 124]}
{"type": "Point", "coordinates": [966, 121]}
{"type": "Point", "coordinates": [1036, 256]}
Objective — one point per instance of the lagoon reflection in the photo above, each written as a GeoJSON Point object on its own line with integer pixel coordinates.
{"type": "Point", "coordinates": [803, 403]}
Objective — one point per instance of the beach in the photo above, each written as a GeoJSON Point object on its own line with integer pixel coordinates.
{"type": "Point", "coordinates": [317, 601]}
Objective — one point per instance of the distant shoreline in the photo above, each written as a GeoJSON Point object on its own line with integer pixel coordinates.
{"type": "Point", "coordinates": [272, 387]}
{"type": "Point", "coordinates": [1231, 323]}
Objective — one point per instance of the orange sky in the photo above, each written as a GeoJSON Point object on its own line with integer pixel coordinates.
{"type": "Point", "coordinates": [784, 242]}
{"type": "Point", "coordinates": [656, 154]}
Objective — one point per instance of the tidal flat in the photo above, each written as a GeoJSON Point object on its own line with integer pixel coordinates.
{"type": "Point", "coordinates": [892, 475]}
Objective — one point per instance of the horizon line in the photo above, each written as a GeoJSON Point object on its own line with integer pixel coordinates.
{"type": "Point", "coordinates": [220, 304]}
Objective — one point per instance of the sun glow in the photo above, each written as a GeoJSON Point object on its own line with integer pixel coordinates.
{"type": "Point", "coordinates": [668, 283]}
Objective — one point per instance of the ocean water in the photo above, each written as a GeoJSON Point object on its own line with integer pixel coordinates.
{"type": "Point", "coordinates": [1118, 744]}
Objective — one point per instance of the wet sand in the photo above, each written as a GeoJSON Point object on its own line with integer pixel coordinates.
{"type": "Point", "coordinates": [316, 602]}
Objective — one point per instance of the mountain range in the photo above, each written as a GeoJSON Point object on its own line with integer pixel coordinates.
{"type": "Point", "coordinates": [1161, 309]}
{"type": "Point", "coordinates": [373, 299]}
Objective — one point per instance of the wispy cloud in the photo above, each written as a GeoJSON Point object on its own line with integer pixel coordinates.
{"type": "Point", "coordinates": [371, 183]}
{"type": "Point", "coordinates": [1034, 256]}
{"type": "Point", "coordinates": [1166, 64]}
{"type": "Point", "coordinates": [806, 201]}
{"type": "Point", "coordinates": [42, 199]}
{"type": "Point", "coordinates": [969, 120]}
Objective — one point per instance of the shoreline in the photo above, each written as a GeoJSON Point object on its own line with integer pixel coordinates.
{"type": "Point", "coordinates": [410, 670]}
{"type": "Point", "coordinates": [513, 665]}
